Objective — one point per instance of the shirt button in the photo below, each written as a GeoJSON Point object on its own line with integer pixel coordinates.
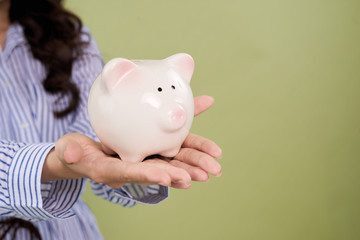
{"type": "Point", "coordinates": [25, 125]}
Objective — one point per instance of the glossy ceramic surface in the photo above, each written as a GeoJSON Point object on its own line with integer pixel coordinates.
{"type": "Point", "coordinates": [140, 108]}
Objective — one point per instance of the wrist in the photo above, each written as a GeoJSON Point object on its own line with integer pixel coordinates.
{"type": "Point", "coordinates": [54, 169]}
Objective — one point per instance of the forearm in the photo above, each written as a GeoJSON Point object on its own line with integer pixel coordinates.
{"type": "Point", "coordinates": [23, 194]}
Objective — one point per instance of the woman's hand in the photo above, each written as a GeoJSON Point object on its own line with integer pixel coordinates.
{"type": "Point", "coordinates": [197, 154]}
{"type": "Point", "coordinates": [77, 156]}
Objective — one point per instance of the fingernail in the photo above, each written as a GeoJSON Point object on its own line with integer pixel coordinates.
{"type": "Point", "coordinates": [220, 153]}
{"type": "Point", "coordinates": [206, 178]}
{"type": "Point", "coordinates": [217, 153]}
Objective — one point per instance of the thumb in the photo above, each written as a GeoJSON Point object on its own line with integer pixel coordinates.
{"type": "Point", "coordinates": [68, 150]}
{"type": "Point", "coordinates": [202, 103]}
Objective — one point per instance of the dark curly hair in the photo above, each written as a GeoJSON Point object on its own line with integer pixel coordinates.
{"type": "Point", "coordinates": [12, 225]}
{"type": "Point", "coordinates": [53, 34]}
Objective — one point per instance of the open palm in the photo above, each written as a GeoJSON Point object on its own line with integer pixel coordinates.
{"type": "Point", "coordinates": [77, 156]}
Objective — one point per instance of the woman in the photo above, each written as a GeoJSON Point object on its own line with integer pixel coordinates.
{"type": "Point", "coordinates": [47, 146]}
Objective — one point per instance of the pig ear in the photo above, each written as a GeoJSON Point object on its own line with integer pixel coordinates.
{"type": "Point", "coordinates": [115, 71]}
{"type": "Point", "coordinates": [183, 64]}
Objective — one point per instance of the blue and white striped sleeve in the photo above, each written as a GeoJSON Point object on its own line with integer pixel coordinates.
{"type": "Point", "coordinates": [85, 70]}
{"type": "Point", "coordinates": [22, 195]}
{"type": "Point", "coordinates": [131, 194]}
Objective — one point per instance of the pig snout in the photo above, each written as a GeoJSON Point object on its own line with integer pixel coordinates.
{"type": "Point", "coordinates": [176, 118]}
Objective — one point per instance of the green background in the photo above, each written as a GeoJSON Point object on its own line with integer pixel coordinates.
{"type": "Point", "coordinates": [286, 79]}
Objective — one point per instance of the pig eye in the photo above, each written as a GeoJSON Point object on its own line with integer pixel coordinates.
{"type": "Point", "coordinates": [159, 89]}
{"type": "Point", "coordinates": [173, 87]}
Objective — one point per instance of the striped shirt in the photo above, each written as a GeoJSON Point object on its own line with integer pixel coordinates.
{"type": "Point", "coordinates": [28, 130]}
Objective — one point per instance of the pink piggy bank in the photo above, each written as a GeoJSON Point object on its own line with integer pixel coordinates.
{"type": "Point", "coordinates": [143, 107]}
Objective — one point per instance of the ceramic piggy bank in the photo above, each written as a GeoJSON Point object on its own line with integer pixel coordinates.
{"type": "Point", "coordinates": [140, 108]}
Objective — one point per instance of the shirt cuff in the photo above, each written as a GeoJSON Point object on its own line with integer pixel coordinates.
{"type": "Point", "coordinates": [152, 194]}
{"type": "Point", "coordinates": [131, 194]}
{"type": "Point", "coordinates": [60, 196]}
{"type": "Point", "coordinates": [33, 200]}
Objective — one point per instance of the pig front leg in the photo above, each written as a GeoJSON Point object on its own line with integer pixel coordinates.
{"type": "Point", "coordinates": [132, 157]}
{"type": "Point", "coordinates": [170, 153]}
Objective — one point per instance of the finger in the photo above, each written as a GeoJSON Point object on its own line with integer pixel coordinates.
{"type": "Point", "coordinates": [151, 177]}
{"type": "Point", "coordinates": [145, 173]}
{"type": "Point", "coordinates": [202, 103]}
{"type": "Point", "coordinates": [196, 174]}
{"type": "Point", "coordinates": [113, 171]}
{"type": "Point", "coordinates": [180, 185]}
{"type": "Point", "coordinates": [199, 159]}
{"type": "Point", "coordinates": [180, 178]}
{"type": "Point", "coordinates": [202, 144]}
{"type": "Point", "coordinates": [73, 152]}
{"type": "Point", "coordinates": [68, 150]}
